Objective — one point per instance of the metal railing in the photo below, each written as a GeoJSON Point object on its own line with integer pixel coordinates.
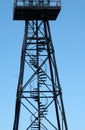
{"type": "Point", "coordinates": [38, 3]}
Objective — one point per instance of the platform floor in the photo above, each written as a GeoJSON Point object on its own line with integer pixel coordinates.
{"type": "Point", "coordinates": [35, 13]}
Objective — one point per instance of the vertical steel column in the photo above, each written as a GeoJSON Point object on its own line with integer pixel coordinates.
{"type": "Point", "coordinates": [20, 81]}
{"type": "Point", "coordinates": [37, 53]}
{"type": "Point", "coordinates": [56, 71]}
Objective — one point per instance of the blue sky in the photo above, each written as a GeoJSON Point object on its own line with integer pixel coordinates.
{"type": "Point", "coordinates": [68, 34]}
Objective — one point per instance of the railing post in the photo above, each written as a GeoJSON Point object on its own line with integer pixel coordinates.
{"type": "Point", "coordinates": [58, 3]}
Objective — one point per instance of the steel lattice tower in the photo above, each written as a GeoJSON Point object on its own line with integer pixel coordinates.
{"type": "Point", "coordinates": [39, 103]}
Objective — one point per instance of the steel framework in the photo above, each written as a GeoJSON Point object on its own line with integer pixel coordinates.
{"type": "Point", "coordinates": [39, 103]}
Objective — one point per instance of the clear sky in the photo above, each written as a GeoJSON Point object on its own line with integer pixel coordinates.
{"type": "Point", "coordinates": [68, 34]}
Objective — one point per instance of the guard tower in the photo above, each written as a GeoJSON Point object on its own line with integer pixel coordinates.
{"type": "Point", "coordinates": [39, 103]}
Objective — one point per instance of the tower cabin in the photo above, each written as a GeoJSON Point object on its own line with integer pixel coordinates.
{"type": "Point", "coordinates": [36, 9]}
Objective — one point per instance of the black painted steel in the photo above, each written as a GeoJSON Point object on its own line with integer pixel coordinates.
{"type": "Point", "coordinates": [39, 90]}
{"type": "Point", "coordinates": [39, 104]}
{"type": "Point", "coordinates": [36, 9]}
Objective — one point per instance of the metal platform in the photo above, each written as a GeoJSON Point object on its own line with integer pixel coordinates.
{"type": "Point", "coordinates": [36, 9]}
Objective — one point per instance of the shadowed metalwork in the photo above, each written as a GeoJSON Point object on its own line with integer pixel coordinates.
{"type": "Point", "coordinates": [39, 103]}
